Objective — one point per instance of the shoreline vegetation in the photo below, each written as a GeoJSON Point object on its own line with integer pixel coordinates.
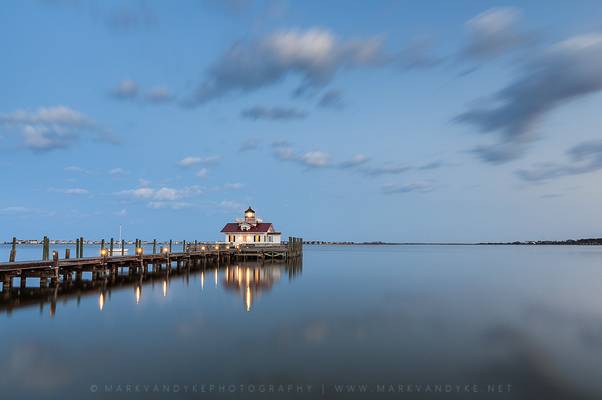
{"type": "Point", "coordinates": [568, 242]}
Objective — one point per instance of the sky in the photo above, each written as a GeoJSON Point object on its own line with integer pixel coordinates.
{"type": "Point", "coordinates": [390, 120]}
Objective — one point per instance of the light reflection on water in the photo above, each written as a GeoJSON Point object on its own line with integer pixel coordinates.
{"type": "Point", "coordinates": [529, 317]}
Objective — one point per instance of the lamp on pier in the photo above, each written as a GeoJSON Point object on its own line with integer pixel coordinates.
{"type": "Point", "coordinates": [165, 250]}
{"type": "Point", "coordinates": [104, 253]}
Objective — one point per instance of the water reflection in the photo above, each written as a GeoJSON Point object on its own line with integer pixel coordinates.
{"type": "Point", "coordinates": [248, 280]}
{"type": "Point", "coordinates": [101, 301]}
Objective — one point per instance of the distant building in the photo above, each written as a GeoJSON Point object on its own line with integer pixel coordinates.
{"type": "Point", "coordinates": [250, 229]}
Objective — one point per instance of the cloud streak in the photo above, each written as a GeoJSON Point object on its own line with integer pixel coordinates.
{"type": "Point", "coordinates": [315, 159]}
{"type": "Point", "coordinates": [417, 187]}
{"type": "Point", "coordinates": [566, 71]}
{"type": "Point", "coordinates": [332, 99]}
{"type": "Point", "coordinates": [584, 158]}
{"type": "Point", "coordinates": [129, 90]}
{"type": "Point", "coordinates": [191, 161]}
{"type": "Point", "coordinates": [314, 56]}
{"type": "Point", "coordinates": [272, 113]}
{"type": "Point", "coordinates": [494, 32]}
{"type": "Point", "coordinates": [387, 169]}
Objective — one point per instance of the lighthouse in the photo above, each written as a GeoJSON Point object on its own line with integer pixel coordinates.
{"type": "Point", "coordinates": [251, 230]}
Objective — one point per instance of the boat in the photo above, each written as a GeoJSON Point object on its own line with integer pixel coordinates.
{"type": "Point", "coordinates": [117, 250]}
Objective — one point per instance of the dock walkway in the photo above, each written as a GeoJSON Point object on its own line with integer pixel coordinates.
{"type": "Point", "coordinates": [56, 269]}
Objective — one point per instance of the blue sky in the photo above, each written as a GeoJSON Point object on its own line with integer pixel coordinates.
{"type": "Point", "coordinates": [388, 120]}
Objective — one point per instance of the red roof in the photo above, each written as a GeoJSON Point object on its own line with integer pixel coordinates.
{"type": "Point", "coordinates": [261, 227]}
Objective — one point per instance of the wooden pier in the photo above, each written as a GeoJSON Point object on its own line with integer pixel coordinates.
{"type": "Point", "coordinates": [52, 271]}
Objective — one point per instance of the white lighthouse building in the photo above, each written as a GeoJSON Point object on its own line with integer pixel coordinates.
{"type": "Point", "coordinates": [251, 229]}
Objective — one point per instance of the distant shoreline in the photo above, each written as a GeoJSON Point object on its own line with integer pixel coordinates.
{"type": "Point", "coordinates": [568, 242]}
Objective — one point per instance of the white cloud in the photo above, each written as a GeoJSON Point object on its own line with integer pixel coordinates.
{"type": "Point", "coordinates": [126, 89]}
{"type": "Point", "coordinates": [160, 195]}
{"type": "Point", "coordinates": [355, 161]}
{"type": "Point", "coordinates": [143, 182]}
{"type": "Point", "coordinates": [195, 160]}
{"type": "Point", "coordinates": [49, 128]}
{"type": "Point", "coordinates": [315, 159]}
{"type": "Point", "coordinates": [284, 153]}
{"type": "Point", "coordinates": [202, 173]}
{"type": "Point", "coordinates": [315, 55]}
{"type": "Point", "coordinates": [16, 210]}
{"type": "Point", "coordinates": [230, 205]}
{"type": "Point", "coordinates": [235, 186]}
{"type": "Point", "coordinates": [174, 205]}
{"type": "Point", "coordinates": [189, 161]}
{"type": "Point", "coordinates": [49, 116]}
{"type": "Point", "coordinates": [159, 94]}
{"type": "Point", "coordinates": [139, 193]}
{"type": "Point", "coordinates": [129, 89]}
{"type": "Point", "coordinates": [117, 172]}
{"type": "Point", "coordinates": [74, 168]}
{"type": "Point", "coordinates": [494, 32]}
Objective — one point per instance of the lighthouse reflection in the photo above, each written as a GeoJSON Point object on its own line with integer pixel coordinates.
{"type": "Point", "coordinates": [247, 280]}
{"type": "Point", "coordinates": [250, 280]}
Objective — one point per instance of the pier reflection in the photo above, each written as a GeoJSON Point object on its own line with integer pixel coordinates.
{"type": "Point", "coordinates": [246, 280]}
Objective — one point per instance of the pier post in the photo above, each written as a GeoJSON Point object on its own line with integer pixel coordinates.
{"type": "Point", "coordinates": [81, 245]}
{"type": "Point", "coordinates": [44, 281]}
{"type": "Point", "coordinates": [170, 242]}
{"type": "Point", "coordinates": [7, 283]}
{"type": "Point", "coordinates": [102, 244]}
{"type": "Point", "coordinates": [154, 246]}
{"type": "Point", "coordinates": [183, 246]}
{"type": "Point", "coordinates": [67, 253]}
{"type": "Point", "coordinates": [76, 248]}
{"type": "Point", "coordinates": [55, 265]}
{"type": "Point", "coordinates": [111, 246]}
{"type": "Point", "coordinates": [44, 248]}
{"type": "Point", "coordinates": [122, 247]}
{"type": "Point", "coordinates": [13, 251]}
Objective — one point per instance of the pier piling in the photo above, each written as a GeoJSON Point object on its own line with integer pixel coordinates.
{"type": "Point", "coordinates": [13, 251]}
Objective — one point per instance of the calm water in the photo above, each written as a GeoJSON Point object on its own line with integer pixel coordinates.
{"type": "Point", "coordinates": [395, 319]}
